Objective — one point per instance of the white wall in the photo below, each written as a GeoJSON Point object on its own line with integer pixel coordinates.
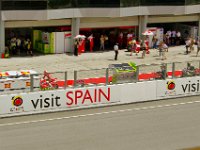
{"type": "Point", "coordinates": [44, 23]}
{"type": "Point", "coordinates": [108, 22]}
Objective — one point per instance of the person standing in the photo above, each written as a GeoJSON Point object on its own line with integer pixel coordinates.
{"type": "Point", "coordinates": [133, 47]}
{"type": "Point", "coordinates": [13, 43]}
{"type": "Point", "coordinates": [116, 49]}
{"type": "Point", "coordinates": [76, 45]}
{"type": "Point", "coordinates": [169, 33]}
{"type": "Point", "coordinates": [129, 38]}
{"type": "Point", "coordinates": [192, 44]}
{"type": "Point", "coordinates": [106, 41]}
{"type": "Point", "coordinates": [143, 47]}
{"type": "Point", "coordinates": [102, 42]}
{"type": "Point", "coordinates": [120, 40]}
{"type": "Point", "coordinates": [91, 39]}
{"type": "Point", "coordinates": [178, 38]}
{"type": "Point", "coordinates": [29, 49]}
{"type": "Point", "coordinates": [18, 41]}
{"type": "Point", "coordinates": [165, 47]}
{"type": "Point", "coordinates": [167, 38]}
{"type": "Point", "coordinates": [173, 34]}
{"type": "Point", "coordinates": [187, 45]}
{"type": "Point", "coordinates": [154, 41]}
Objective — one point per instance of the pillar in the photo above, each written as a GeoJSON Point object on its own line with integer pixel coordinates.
{"type": "Point", "coordinates": [199, 27]}
{"type": "Point", "coordinates": [142, 24]}
{"type": "Point", "coordinates": [2, 36]}
{"type": "Point", "coordinates": [75, 26]}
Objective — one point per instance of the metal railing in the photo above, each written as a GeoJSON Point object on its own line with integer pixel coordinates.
{"type": "Point", "coordinates": [100, 77]}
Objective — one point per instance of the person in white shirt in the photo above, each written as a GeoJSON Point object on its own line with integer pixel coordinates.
{"type": "Point", "coordinates": [169, 33]}
{"type": "Point", "coordinates": [116, 49]}
{"type": "Point", "coordinates": [187, 45]}
{"type": "Point", "coordinates": [173, 34]}
{"type": "Point", "coordinates": [18, 42]}
{"type": "Point", "coordinates": [178, 37]}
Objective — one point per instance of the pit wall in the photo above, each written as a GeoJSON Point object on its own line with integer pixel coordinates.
{"type": "Point", "coordinates": [96, 96]}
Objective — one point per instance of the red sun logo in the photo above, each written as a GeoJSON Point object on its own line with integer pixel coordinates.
{"type": "Point", "coordinates": [17, 101]}
{"type": "Point", "coordinates": [171, 85]}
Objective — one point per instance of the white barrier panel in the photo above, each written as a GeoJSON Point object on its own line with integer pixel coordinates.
{"type": "Point", "coordinates": [18, 83]}
{"type": "Point", "coordinates": [56, 100]}
{"type": "Point", "coordinates": [178, 87]}
{"type": "Point", "coordinates": [46, 101]}
{"type": "Point", "coordinates": [7, 84]}
{"type": "Point", "coordinates": [140, 91]}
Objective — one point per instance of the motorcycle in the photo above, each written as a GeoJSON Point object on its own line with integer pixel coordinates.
{"type": "Point", "coordinates": [48, 83]}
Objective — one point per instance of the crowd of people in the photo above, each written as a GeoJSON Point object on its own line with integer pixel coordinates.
{"type": "Point", "coordinates": [172, 38]}
{"type": "Point", "coordinates": [16, 45]}
{"type": "Point", "coordinates": [128, 40]}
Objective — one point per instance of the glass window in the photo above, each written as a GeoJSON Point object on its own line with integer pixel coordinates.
{"type": "Point", "coordinates": [23, 4]}
{"type": "Point", "coordinates": [53, 4]}
{"type": "Point", "coordinates": [56, 4]}
{"type": "Point", "coordinates": [129, 3]}
{"type": "Point", "coordinates": [161, 2]}
{"type": "Point", "coordinates": [192, 2]}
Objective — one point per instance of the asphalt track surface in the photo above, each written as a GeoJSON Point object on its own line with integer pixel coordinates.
{"type": "Point", "coordinates": [159, 125]}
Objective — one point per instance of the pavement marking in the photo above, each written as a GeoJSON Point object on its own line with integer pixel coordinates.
{"type": "Point", "coordinates": [100, 113]}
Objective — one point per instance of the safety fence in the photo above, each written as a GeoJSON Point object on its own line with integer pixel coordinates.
{"type": "Point", "coordinates": [98, 77]}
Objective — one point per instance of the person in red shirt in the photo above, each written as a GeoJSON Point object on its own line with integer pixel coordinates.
{"type": "Point", "coordinates": [91, 39]}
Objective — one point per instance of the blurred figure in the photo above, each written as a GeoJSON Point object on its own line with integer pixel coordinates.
{"type": "Point", "coordinates": [143, 47]}
{"type": "Point", "coordinates": [91, 39]}
{"type": "Point", "coordinates": [165, 47]}
{"type": "Point", "coordinates": [129, 38]}
{"type": "Point", "coordinates": [198, 46]}
{"type": "Point", "coordinates": [167, 38]}
{"type": "Point", "coordinates": [162, 50]}
{"type": "Point", "coordinates": [169, 33]}
{"type": "Point", "coordinates": [120, 40]}
{"type": "Point", "coordinates": [154, 41]}
{"type": "Point", "coordinates": [76, 45]}
{"type": "Point", "coordinates": [187, 45]}
{"type": "Point", "coordinates": [133, 47]}
{"type": "Point", "coordinates": [13, 45]}
{"type": "Point", "coordinates": [102, 43]}
{"type": "Point", "coordinates": [178, 38]}
{"type": "Point", "coordinates": [18, 43]}
{"type": "Point", "coordinates": [116, 49]}
{"type": "Point", "coordinates": [28, 46]}
{"type": "Point", "coordinates": [192, 44]}
{"type": "Point", "coordinates": [173, 37]}
{"type": "Point", "coordinates": [190, 67]}
{"type": "Point", "coordinates": [163, 71]}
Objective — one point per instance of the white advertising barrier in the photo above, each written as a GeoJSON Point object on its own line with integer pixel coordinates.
{"type": "Point", "coordinates": [46, 101]}
{"type": "Point", "coordinates": [137, 92]}
{"type": "Point", "coordinates": [178, 87]}
{"type": "Point", "coordinates": [57, 100]}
